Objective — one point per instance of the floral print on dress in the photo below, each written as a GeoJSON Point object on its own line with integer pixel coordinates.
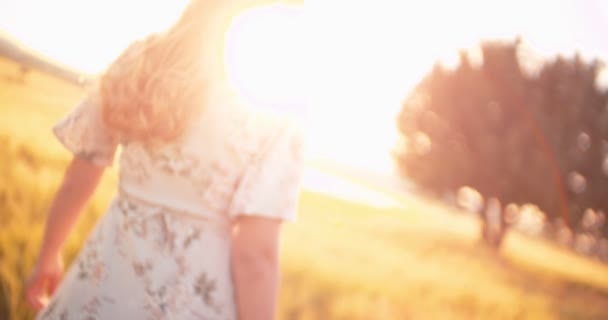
{"type": "Point", "coordinates": [204, 288]}
{"type": "Point", "coordinates": [91, 267]}
{"type": "Point", "coordinates": [273, 173]}
{"type": "Point", "coordinates": [162, 249]}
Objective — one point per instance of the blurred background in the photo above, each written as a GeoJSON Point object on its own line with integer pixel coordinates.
{"type": "Point", "coordinates": [458, 150]}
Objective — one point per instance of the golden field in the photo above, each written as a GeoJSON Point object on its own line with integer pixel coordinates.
{"type": "Point", "coordinates": [341, 260]}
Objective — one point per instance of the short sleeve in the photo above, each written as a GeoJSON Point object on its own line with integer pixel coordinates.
{"type": "Point", "coordinates": [270, 186]}
{"type": "Point", "coordinates": [83, 133]}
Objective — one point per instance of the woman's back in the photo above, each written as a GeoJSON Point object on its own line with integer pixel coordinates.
{"type": "Point", "coordinates": [164, 244]}
{"type": "Point", "coordinates": [204, 172]}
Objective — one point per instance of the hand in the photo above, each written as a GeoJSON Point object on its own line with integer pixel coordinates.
{"type": "Point", "coordinates": [43, 281]}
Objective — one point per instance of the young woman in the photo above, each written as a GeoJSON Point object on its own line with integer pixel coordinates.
{"type": "Point", "coordinates": [205, 182]}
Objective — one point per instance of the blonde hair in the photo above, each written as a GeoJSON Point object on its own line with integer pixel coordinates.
{"type": "Point", "coordinates": [156, 86]}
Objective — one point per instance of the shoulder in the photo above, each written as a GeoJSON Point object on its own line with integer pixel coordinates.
{"type": "Point", "coordinates": [256, 126]}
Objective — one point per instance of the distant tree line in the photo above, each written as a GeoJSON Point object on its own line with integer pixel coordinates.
{"type": "Point", "coordinates": [515, 135]}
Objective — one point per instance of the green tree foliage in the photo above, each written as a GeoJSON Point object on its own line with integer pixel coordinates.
{"type": "Point", "coordinates": [512, 135]}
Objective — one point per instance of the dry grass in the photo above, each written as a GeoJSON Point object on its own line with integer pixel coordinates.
{"type": "Point", "coordinates": [340, 261]}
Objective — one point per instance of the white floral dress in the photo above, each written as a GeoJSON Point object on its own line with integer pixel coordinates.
{"type": "Point", "coordinates": [161, 251]}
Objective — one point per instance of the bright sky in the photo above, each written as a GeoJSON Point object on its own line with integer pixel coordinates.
{"type": "Point", "coordinates": [364, 55]}
{"type": "Point", "coordinates": [378, 49]}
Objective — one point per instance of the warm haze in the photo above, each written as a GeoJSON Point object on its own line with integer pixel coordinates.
{"type": "Point", "coordinates": [361, 248]}
{"type": "Point", "coordinates": [362, 57]}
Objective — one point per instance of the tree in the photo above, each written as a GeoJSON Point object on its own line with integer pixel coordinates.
{"type": "Point", "coordinates": [513, 136]}
{"type": "Point", "coordinates": [584, 140]}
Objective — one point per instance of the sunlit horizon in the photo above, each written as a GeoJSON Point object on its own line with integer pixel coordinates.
{"type": "Point", "coordinates": [365, 58]}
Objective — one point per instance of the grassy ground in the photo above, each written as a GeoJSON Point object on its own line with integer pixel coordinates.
{"type": "Point", "coordinates": [341, 260]}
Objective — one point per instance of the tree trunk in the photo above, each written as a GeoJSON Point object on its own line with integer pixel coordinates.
{"type": "Point", "coordinates": [493, 223]}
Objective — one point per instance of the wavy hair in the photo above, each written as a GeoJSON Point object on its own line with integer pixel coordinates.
{"type": "Point", "coordinates": [155, 87]}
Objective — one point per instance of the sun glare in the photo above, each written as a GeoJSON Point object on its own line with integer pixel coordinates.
{"type": "Point", "coordinates": [265, 55]}
{"type": "Point", "coordinates": [353, 61]}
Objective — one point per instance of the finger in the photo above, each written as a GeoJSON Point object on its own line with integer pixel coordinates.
{"type": "Point", "coordinates": [34, 295]}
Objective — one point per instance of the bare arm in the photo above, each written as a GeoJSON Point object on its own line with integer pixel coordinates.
{"type": "Point", "coordinates": [80, 181]}
{"type": "Point", "coordinates": [255, 267]}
